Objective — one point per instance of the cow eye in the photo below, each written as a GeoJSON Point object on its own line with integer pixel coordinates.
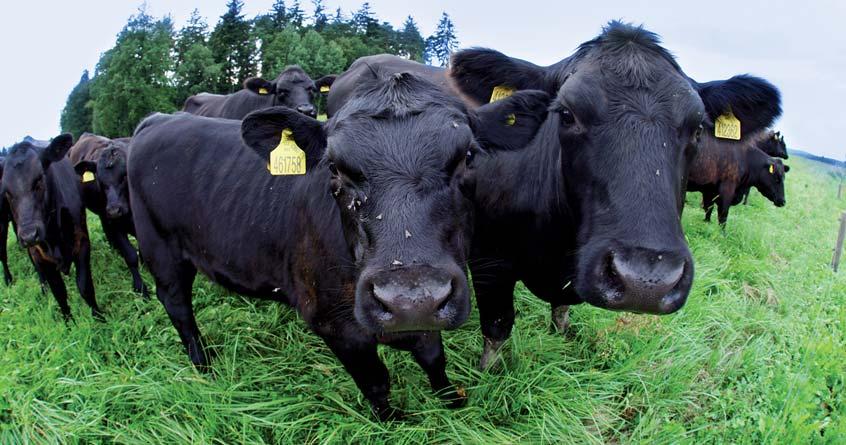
{"type": "Point", "coordinates": [697, 135]}
{"type": "Point", "coordinates": [468, 158]}
{"type": "Point", "coordinates": [333, 169]}
{"type": "Point", "coordinates": [567, 117]}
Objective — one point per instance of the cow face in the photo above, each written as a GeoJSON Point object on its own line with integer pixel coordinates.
{"type": "Point", "coordinates": [293, 88]}
{"type": "Point", "coordinates": [769, 180]}
{"type": "Point", "coordinates": [399, 163]}
{"type": "Point", "coordinates": [24, 185]}
{"type": "Point", "coordinates": [110, 173]}
{"type": "Point", "coordinates": [622, 129]}
{"type": "Point", "coordinates": [774, 145]}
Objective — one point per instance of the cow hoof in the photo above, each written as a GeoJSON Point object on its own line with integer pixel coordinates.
{"type": "Point", "coordinates": [387, 413]}
{"type": "Point", "coordinates": [561, 319]}
{"type": "Point", "coordinates": [98, 315]}
{"type": "Point", "coordinates": [7, 277]}
{"type": "Point", "coordinates": [491, 357]}
{"type": "Point", "coordinates": [145, 294]}
{"type": "Point", "coordinates": [457, 398]}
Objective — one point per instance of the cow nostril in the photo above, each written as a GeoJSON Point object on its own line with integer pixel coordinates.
{"type": "Point", "coordinates": [448, 291]}
{"type": "Point", "coordinates": [381, 300]}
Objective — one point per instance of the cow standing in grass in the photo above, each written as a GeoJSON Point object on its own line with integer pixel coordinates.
{"type": "Point", "coordinates": [725, 170]}
{"type": "Point", "coordinates": [771, 143]}
{"type": "Point", "coordinates": [369, 244]}
{"type": "Point", "coordinates": [44, 198]}
{"type": "Point", "coordinates": [293, 88]}
{"type": "Point", "coordinates": [100, 164]}
{"type": "Point", "coordinates": [589, 211]}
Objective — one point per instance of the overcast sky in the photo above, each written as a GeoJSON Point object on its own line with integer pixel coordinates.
{"type": "Point", "coordinates": [799, 46]}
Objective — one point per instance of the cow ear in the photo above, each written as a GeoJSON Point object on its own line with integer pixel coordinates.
{"type": "Point", "coordinates": [57, 149]}
{"type": "Point", "coordinates": [262, 131]}
{"type": "Point", "coordinates": [483, 74]}
{"type": "Point", "coordinates": [259, 86]}
{"type": "Point", "coordinates": [786, 168]}
{"type": "Point", "coordinates": [324, 83]}
{"type": "Point", "coordinates": [82, 167]}
{"type": "Point", "coordinates": [510, 123]}
{"type": "Point", "coordinates": [755, 102]}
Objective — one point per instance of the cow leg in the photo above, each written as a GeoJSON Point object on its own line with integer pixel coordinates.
{"type": "Point", "coordinates": [495, 299]}
{"type": "Point", "coordinates": [84, 282]}
{"type": "Point", "coordinates": [53, 277]}
{"type": "Point", "coordinates": [724, 203]}
{"type": "Point", "coordinates": [428, 351]}
{"type": "Point", "coordinates": [174, 291]}
{"type": "Point", "coordinates": [561, 318]}
{"type": "Point", "coordinates": [120, 241]}
{"type": "Point", "coordinates": [370, 375]}
{"type": "Point", "coordinates": [708, 198]}
{"type": "Point", "coordinates": [4, 232]}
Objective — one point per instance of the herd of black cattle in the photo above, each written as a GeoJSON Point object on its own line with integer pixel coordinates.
{"type": "Point", "coordinates": [570, 178]}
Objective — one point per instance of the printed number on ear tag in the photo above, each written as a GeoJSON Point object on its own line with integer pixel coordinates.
{"type": "Point", "coordinates": [263, 91]}
{"type": "Point", "coordinates": [727, 127]}
{"type": "Point", "coordinates": [501, 92]}
{"type": "Point", "coordinates": [87, 177]}
{"type": "Point", "coordinates": [324, 89]}
{"type": "Point", "coordinates": [287, 158]}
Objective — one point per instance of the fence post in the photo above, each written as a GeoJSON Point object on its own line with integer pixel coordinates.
{"type": "Point", "coordinates": [838, 249]}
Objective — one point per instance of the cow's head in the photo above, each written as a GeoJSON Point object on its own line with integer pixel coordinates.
{"type": "Point", "coordinates": [110, 173]}
{"type": "Point", "coordinates": [620, 133]}
{"type": "Point", "coordinates": [24, 185]}
{"type": "Point", "coordinates": [293, 88]}
{"type": "Point", "coordinates": [767, 174]}
{"type": "Point", "coordinates": [773, 145]}
{"type": "Point", "coordinates": [398, 160]}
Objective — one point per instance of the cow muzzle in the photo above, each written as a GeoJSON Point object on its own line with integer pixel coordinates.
{"type": "Point", "coordinates": [639, 280]}
{"type": "Point", "coordinates": [414, 298]}
{"type": "Point", "coordinates": [30, 236]}
{"type": "Point", "coordinates": [307, 109]}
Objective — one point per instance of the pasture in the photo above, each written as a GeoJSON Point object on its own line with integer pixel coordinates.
{"type": "Point", "coordinates": [756, 356]}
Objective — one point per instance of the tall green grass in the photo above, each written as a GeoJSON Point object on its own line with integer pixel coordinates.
{"type": "Point", "coordinates": [756, 356]}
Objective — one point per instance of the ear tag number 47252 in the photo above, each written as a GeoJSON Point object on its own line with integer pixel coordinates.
{"type": "Point", "coordinates": [727, 127]}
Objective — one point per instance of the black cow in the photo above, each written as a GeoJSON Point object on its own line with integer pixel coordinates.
{"type": "Point", "coordinates": [589, 210]}
{"type": "Point", "coordinates": [43, 194]}
{"type": "Point", "coordinates": [369, 245]}
{"type": "Point", "coordinates": [5, 217]}
{"type": "Point", "coordinates": [101, 165]}
{"type": "Point", "coordinates": [293, 88]}
{"type": "Point", "coordinates": [725, 170]}
{"type": "Point", "coordinates": [771, 143]}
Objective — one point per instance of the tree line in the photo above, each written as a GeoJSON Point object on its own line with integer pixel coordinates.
{"type": "Point", "coordinates": [154, 67]}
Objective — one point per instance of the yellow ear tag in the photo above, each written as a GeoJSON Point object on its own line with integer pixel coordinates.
{"type": "Point", "coordinates": [511, 119]}
{"type": "Point", "coordinates": [263, 91]}
{"type": "Point", "coordinates": [772, 169]}
{"type": "Point", "coordinates": [87, 177]}
{"type": "Point", "coordinates": [324, 89]}
{"type": "Point", "coordinates": [501, 92]}
{"type": "Point", "coordinates": [727, 127]}
{"type": "Point", "coordinates": [287, 158]}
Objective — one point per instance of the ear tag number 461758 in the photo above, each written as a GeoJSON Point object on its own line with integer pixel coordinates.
{"type": "Point", "coordinates": [287, 158]}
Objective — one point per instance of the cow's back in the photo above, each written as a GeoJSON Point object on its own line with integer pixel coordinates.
{"type": "Point", "coordinates": [87, 148]}
{"type": "Point", "coordinates": [231, 106]}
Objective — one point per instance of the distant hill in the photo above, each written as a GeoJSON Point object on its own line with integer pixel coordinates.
{"type": "Point", "coordinates": [813, 157]}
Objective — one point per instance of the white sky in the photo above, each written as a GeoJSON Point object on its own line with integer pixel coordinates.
{"type": "Point", "coordinates": [799, 46]}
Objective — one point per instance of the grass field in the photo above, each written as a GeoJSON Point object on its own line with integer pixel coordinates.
{"type": "Point", "coordinates": [756, 356]}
